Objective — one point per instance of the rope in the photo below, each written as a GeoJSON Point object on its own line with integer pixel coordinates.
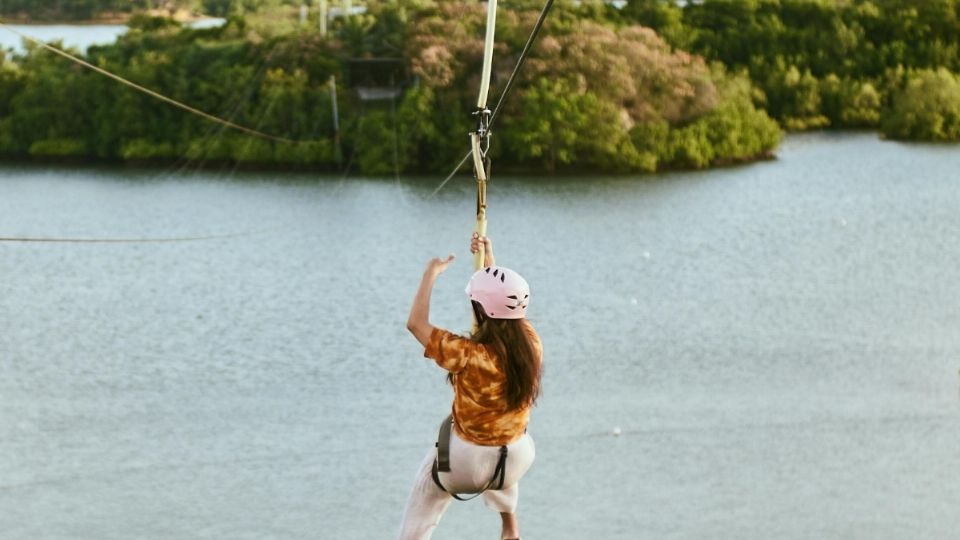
{"type": "Point", "coordinates": [116, 240]}
{"type": "Point", "coordinates": [522, 59]}
{"type": "Point", "coordinates": [455, 171]}
{"type": "Point", "coordinates": [506, 89]}
{"type": "Point", "coordinates": [147, 91]}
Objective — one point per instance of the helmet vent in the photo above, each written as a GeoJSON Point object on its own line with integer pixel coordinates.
{"type": "Point", "coordinates": [513, 296]}
{"type": "Point", "coordinates": [511, 307]}
{"type": "Point", "coordinates": [503, 276]}
{"type": "Point", "coordinates": [487, 270]}
{"type": "Point", "coordinates": [495, 272]}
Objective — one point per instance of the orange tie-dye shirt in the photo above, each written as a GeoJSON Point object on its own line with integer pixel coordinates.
{"type": "Point", "coordinates": [480, 412]}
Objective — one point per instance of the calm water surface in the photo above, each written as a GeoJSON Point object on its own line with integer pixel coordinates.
{"type": "Point", "coordinates": [777, 342]}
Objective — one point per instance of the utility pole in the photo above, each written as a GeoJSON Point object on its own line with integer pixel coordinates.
{"type": "Point", "coordinates": [336, 119]}
{"type": "Point", "coordinates": [323, 18]}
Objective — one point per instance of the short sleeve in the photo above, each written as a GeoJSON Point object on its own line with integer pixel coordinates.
{"type": "Point", "coordinates": [450, 351]}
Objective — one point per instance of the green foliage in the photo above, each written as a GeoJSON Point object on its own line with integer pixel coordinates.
{"type": "Point", "coordinates": [818, 62]}
{"type": "Point", "coordinates": [251, 150]}
{"type": "Point", "coordinates": [149, 23]}
{"type": "Point", "coordinates": [47, 103]}
{"type": "Point", "coordinates": [305, 153]}
{"type": "Point", "coordinates": [144, 149]}
{"type": "Point", "coordinates": [665, 16]}
{"type": "Point", "coordinates": [375, 144]}
{"type": "Point", "coordinates": [734, 131]}
{"type": "Point", "coordinates": [58, 148]}
{"type": "Point", "coordinates": [613, 90]}
{"type": "Point", "coordinates": [429, 123]}
{"type": "Point", "coordinates": [225, 8]}
{"type": "Point", "coordinates": [850, 103]}
{"type": "Point", "coordinates": [690, 147]}
{"type": "Point", "coordinates": [554, 122]}
{"type": "Point", "coordinates": [864, 109]}
{"type": "Point", "coordinates": [216, 149]}
{"type": "Point", "coordinates": [795, 99]}
{"type": "Point", "coordinates": [563, 125]}
{"type": "Point", "coordinates": [590, 88]}
{"type": "Point", "coordinates": [652, 141]}
{"type": "Point", "coordinates": [928, 108]}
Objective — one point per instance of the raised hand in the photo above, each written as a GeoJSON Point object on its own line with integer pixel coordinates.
{"type": "Point", "coordinates": [437, 266]}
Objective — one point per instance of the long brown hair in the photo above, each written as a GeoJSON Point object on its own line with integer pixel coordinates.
{"type": "Point", "coordinates": [517, 355]}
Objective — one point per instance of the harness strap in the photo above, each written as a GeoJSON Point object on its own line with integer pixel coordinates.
{"type": "Point", "coordinates": [443, 444]}
{"type": "Point", "coordinates": [442, 463]}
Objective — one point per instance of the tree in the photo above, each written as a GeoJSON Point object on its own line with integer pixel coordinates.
{"type": "Point", "coordinates": [927, 109]}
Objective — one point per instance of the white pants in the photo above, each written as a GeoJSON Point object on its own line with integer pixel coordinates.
{"type": "Point", "coordinates": [471, 467]}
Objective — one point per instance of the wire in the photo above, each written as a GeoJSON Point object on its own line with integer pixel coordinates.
{"type": "Point", "coordinates": [147, 91]}
{"type": "Point", "coordinates": [117, 240]}
{"type": "Point", "coordinates": [522, 59]}
{"type": "Point", "coordinates": [506, 88]}
{"type": "Point", "coordinates": [455, 171]}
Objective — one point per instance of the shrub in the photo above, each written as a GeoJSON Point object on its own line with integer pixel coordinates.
{"type": "Point", "coordinates": [251, 150]}
{"type": "Point", "coordinates": [928, 108]}
{"type": "Point", "coordinates": [58, 148]}
{"type": "Point", "coordinates": [146, 149]}
{"type": "Point", "coordinates": [305, 153]}
{"type": "Point", "coordinates": [374, 145]}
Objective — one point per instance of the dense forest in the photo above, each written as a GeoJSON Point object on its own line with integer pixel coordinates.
{"type": "Point", "coordinates": [887, 64]}
{"type": "Point", "coordinates": [648, 86]}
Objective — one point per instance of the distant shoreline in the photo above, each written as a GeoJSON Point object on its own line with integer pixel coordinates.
{"type": "Point", "coordinates": [31, 21]}
{"type": "Point", "coordinates": [107, 18]}
{"type": "Point", "coordinates": [198, 164]}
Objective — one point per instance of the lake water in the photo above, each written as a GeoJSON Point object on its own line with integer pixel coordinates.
{"type": "Point", "coordinates": [777, 342]}
{"type": "Point", "coordinates": [80, 37]}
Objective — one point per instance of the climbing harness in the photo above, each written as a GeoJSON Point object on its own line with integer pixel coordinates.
{"type": "Point", "coordinates": [442, 463]}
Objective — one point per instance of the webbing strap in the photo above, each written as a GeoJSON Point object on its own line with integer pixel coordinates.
{"type": "Point", "coordinates": [442, 463]}
{"type": "Point", "coordinates": [443, 444]}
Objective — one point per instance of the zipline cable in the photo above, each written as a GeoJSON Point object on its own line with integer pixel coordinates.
{"type": "Point", "coordinates": [506, 90]}
{"type": "Point", "coordinates": [47, 240]}
{"type": "Point", "coordinates": [148, 91]}
{"type": "Point", "coordinates": [523, 58]}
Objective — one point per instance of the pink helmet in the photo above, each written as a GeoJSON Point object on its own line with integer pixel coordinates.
{"type": "Point", "coordinates": [503, 293]}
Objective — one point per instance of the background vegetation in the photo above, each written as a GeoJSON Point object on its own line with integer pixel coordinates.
{"type": "Point", "coordinates": [886, 64]}
{"type": "Point", "coordinates": [650, 86]}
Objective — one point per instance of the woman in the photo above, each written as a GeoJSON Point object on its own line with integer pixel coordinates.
{"type": "Point", "coordinates": [495, 376]}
